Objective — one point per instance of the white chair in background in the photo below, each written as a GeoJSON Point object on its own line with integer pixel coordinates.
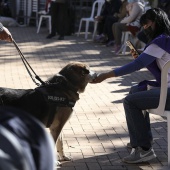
{"type": "Point", "coordinates": [160, 110]}
{"type": "Point", "coordinates": [97, 4]}
{"type": "Point", "coordinates": [127, 35]}
{"type": "Point", "coordinates": [44, 15]}
{"type": "Point", "coordinates": [40, 21]}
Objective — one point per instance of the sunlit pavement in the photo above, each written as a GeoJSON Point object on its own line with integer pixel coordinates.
{"type": "Point", "coordinates": [96, 135]}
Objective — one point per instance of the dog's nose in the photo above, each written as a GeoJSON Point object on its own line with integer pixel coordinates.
{"type": "Point", "coordinates": [92, 76]}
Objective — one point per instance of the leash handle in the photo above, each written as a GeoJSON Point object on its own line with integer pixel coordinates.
{"type": "Point", "coordinates": [27, 66]}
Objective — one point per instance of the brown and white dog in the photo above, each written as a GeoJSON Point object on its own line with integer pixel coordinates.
{"type": "Point", "coordinates": [52, 103]}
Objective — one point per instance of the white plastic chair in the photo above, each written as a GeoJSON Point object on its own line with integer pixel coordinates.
{"type": "Point", "coordinates": [147, 5]}
{"type": "Point", "coordinates": [160, 110]}
{"type": "Point", "coordinates": [127, 35]}
{"type": "Point", "coordinates": [40, 21]}
{"type": "Point", "coordinates": [97, 4]}
{"type": "Point", "coordinates": [44, 15]}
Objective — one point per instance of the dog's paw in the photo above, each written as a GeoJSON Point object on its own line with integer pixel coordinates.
{"type": "Point", "coordinates": [65, 158]}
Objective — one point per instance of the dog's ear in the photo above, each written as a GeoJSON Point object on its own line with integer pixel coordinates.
{"type": "Point", "coordinates": [77, 67]}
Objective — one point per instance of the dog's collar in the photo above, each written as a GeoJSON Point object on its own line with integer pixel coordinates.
{"type": "Point", "coordinates": [52, 96]}
{"type": "Point", "coordinates": [57, 98]}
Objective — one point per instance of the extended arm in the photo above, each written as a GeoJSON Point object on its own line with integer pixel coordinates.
{"type": "Point", "coordinates": [142, 61]}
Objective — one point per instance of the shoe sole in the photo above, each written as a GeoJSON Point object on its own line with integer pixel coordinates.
{"type": "Point", "coordinates": [145, 159]}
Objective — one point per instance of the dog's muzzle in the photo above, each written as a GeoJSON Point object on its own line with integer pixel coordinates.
{"type": "Point", "coordinates": [92, 76]}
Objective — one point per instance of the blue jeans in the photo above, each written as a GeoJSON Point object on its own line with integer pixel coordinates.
{"type": "Point", "coordinates": [134, 104]}
{"type": "Point", "coordinates": [135, 89]}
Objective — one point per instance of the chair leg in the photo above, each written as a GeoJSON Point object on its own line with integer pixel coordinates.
{"type": "Point", "coordinates": [49, 25]}
{"type": "Point", "coordinates": [125, 45]}
{"type": "Point", "coordinates": [87, 29]}
{"type": "Point", "coordinates": [125, 37]}
{"type": "Point", "coordinates": [95, 29]}
{"type": "Point", "coordinates": [168, 131]}
{"type": "Point", "coordinates": [80, 27]}
{"type": "Point", "coordinates": [38, 29]}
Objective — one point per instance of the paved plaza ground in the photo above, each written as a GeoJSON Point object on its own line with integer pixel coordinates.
{"type": "Point", "coordinates": [96, 135]}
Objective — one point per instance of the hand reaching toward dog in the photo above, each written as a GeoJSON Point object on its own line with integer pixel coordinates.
{"type": "Point", "coordinates": [103, 76]}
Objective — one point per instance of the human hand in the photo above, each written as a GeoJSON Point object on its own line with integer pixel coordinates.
{"type": "Point", "coordinates": [103, 76]}
{"type": "Point", "coordinates": [98, 18]}
{"type": "Point", "coordinates": [134, 53]}
{"type": "Point", "coordinates": [6, 35]}
{"type": "Point", "coordinates": [99, 78]}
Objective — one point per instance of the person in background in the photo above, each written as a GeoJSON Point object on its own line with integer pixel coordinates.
{"type": "Point", "coordinates": [110, 7]}
{"type": "Point", "coordinates": [110, 20]}
{"type": "Point", "coordinates": [58, 11]}
{"type": "Point", "coordinates": [130, 23]}
{"type": "Point", "coordinates": [5, 9]}
{"type": "Point", "coordinates": [156, 25]}
{"type": "Point", "coordinates": [5, 34]}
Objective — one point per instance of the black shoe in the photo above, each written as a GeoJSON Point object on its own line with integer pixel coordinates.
{"type": "Point", "coordinates": [61, 38]}
{"type": "Point", "coordinates": [50, 36]}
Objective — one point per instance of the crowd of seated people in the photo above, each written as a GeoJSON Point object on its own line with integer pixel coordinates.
{"type": "Point", "coordinates": [128, 12]}
{"type": "Point", "coordinates": [131, 23]}
{"type": "Point", "coordinates": [126, 17]}
{"type": "Point", "coordinates": [110, 8]}
{"type": "Point", "coordinates": [110, 20]}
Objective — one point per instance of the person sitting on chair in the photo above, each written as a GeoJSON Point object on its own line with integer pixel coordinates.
{"type": "Point", "coordinates": [156, 53]}
{"type": "Point", "coordinates": [110, 7]}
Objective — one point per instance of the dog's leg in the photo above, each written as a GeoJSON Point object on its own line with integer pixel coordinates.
{"type": "Point", "coordinates": [60, 150]}
{"type": "Point", "coordinates": [61, 117]}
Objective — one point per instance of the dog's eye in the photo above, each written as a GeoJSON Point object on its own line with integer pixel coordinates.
{"type": "Point", "coordinates": [83, 73]}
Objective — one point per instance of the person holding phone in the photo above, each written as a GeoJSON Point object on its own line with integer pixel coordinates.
{"type": "Point", "coordinates": [156, 25]}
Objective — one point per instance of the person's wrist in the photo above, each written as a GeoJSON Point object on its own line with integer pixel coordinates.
{"type": "Point", "coordinates": [110, 74]}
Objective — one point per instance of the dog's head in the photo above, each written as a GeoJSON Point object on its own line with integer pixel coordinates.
{"type": "Point", "coordinates": [78, 74]}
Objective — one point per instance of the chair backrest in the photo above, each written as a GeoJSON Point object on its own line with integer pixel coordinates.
{"type": "Point", "coordinates": [160, 110]}
{"type": "Point", "coordinates": [97, 4]}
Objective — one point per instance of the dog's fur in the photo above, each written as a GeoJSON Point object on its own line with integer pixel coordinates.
{"type": "Point", "coordinates": [70, 81]}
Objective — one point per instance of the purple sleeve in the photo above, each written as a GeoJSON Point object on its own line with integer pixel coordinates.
{"type": "Point", "coordinates": [142, 61]}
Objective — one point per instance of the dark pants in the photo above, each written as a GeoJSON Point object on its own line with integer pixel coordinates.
{"type": "Point", "coordinates": [100, 26]}
{"type": "Point", "coordinates": [135, 89]}
{"type": "Point", "coordinates": [110, 20]}
{"type": "Point", "coordinates": [58, 13]}
{"type": "Point", "coordinates": [134, 104]}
